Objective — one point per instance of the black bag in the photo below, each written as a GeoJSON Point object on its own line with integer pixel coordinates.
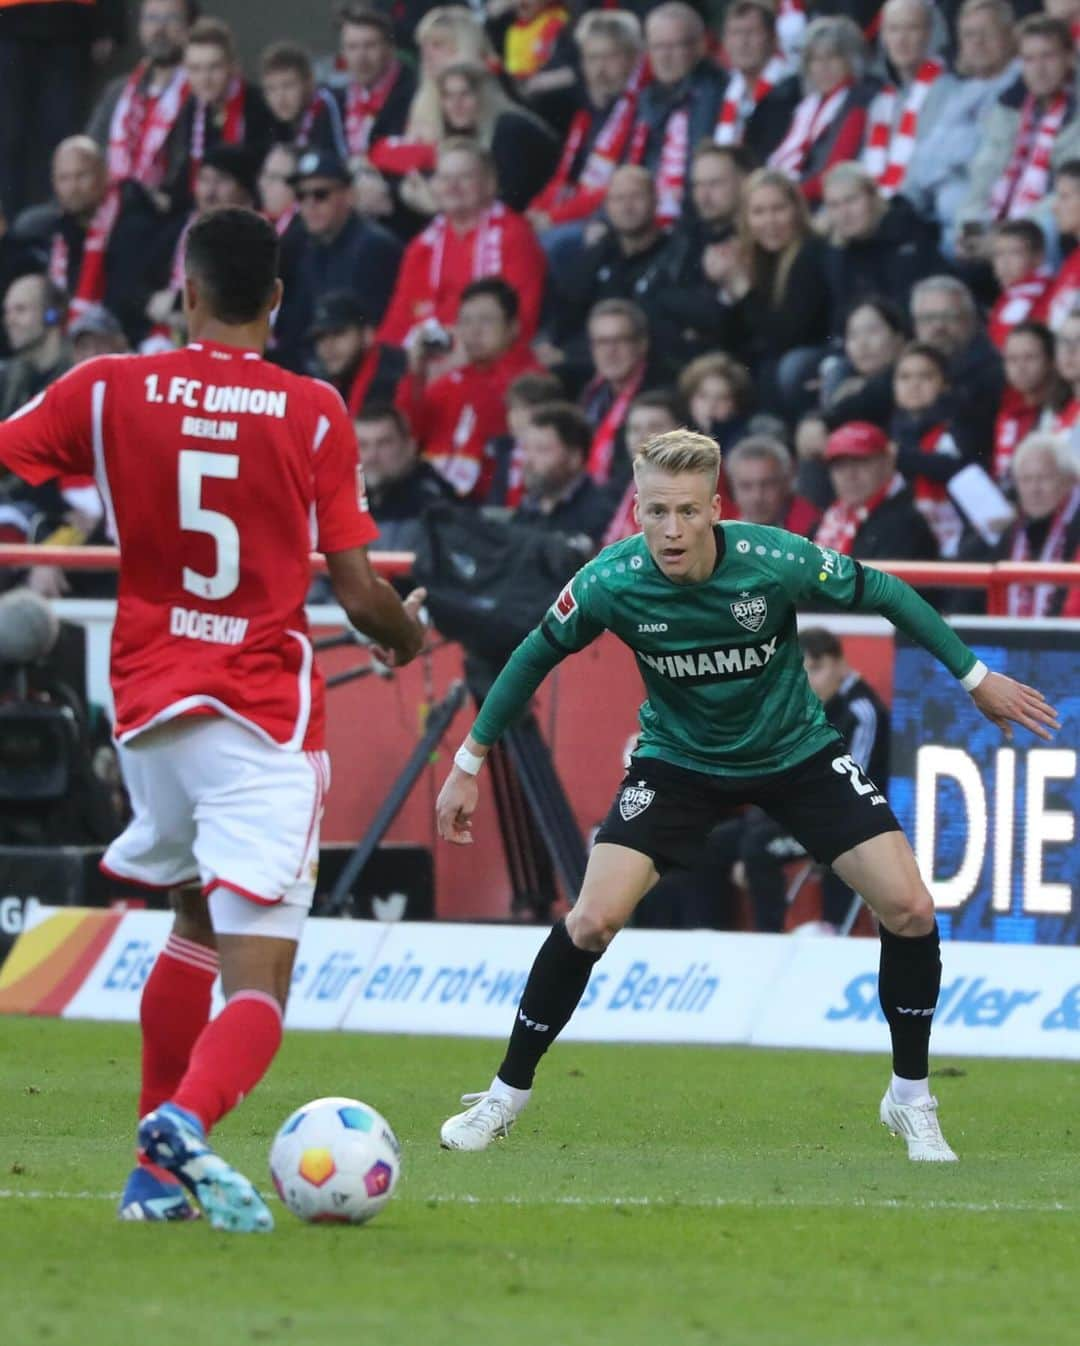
{"type": "Point", "coordinates": [489, 582]}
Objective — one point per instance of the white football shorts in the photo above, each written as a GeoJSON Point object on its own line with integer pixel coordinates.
{"type": "Point", "coordinates": [214, 802]}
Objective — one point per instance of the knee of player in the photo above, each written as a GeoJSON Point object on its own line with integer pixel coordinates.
{"type": "Point", "coordinates": [592, 931]}
{"type": "Point", "coordinates": [915, 918]}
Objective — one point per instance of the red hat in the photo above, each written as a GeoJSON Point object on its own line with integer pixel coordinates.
{"type": "Point", "coordinates": [858, 439]}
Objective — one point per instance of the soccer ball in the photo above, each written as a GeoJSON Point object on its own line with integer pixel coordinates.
{"type": "Point", "coordinates": [335, 1161]}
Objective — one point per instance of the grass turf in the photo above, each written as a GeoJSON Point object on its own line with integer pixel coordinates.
{"type": "Point", "coordinates": [649, 1195]}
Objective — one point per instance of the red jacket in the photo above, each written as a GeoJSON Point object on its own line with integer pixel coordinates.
{"type": "Point", "coordinates": [455, 417]}
{"type": "Point", "coordinates": [440, 263]}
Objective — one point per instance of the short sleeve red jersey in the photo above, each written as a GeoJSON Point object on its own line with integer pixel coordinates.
{"type": "Point", "coordinates": [219, 473]}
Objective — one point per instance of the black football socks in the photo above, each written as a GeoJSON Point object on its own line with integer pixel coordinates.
{"type": "Point", "coordinates": [909, 979]}
{"type": "Point", "coordinates": [557, 981]}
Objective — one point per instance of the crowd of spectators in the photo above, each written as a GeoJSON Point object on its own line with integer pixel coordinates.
{"type": "Point", "coordinates": [840, 236]}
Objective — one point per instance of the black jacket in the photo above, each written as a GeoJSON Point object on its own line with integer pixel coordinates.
{"type": "Point", "coordinates": [604, 271]}
{"type": "Point", "coordinates": [770, 121]}
{"type": "Point", "coordinates": [872, 402]}
{"type": "Point", "coordinates": [759, 329]}
{"type": "Point", "coordinates": [701, 92]}
{"type": "Point", "coordinates": [585, 511]}
{"type": "Point", "coordinates": [977, 379]}
{"type": "Point", "coordinates": [526, 155]}
{"type": "Point", "coordinates": [895, 531]}
{"type": "Point", "coordinates": [364, 258]}
{"type": "Point", "coordinates": [900, 252]}
{"type": "Point", "coordinates": [397, 507]}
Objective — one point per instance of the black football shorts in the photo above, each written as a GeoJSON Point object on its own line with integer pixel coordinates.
{"type": "Point", "coordinates": [826, 803]}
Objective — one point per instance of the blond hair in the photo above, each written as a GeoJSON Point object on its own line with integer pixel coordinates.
{"type": "Point", "coordinates": [679, 451]}
{"type": "Point", "coordinates": [760, 264]}
{"type": "Point", "coordinates": [471, 43]}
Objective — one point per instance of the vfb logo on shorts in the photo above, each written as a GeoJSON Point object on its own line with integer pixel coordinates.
{"type": "Point", "coordinates": [635, 799]}
{"type": "Point", "coordinates": [750, 612]}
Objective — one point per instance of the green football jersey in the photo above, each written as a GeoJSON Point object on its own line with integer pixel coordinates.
{"type": "Point", "coordinates": [723, 671]}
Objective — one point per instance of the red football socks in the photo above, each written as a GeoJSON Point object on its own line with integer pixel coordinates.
{"type": "Point", "coordinates": [231, 1056]}
{"type": "Point", "coordinates": [175, 1009]}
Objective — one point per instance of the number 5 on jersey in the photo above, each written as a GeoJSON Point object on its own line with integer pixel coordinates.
{"type": "Point", "coordinates": [195, 464]}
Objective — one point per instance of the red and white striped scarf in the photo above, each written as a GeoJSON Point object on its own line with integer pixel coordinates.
{"type": "Point", "coordinates": [1016, 303]}
{"type": "Point", "coordinates": [888, 151]}
{"type": "Point", "coordinates": [1016, 419]}
{"type": "Point", "coordinates": [740, 101]}
{"type": "Point", "coordinates": [1033, 600]}
{"type": "Point", "coordinates": [90, 287]}
{"type": "Point", "coordinates": [1026, 178]}
{"type": "Point", "coordinates": [282, 222]}
{"type": "Point", "coordinates": [302, 139]}
{"type": "Point", "coordinates": [140, 126]}
{"type": "Point", "coordinates": [932, 498]}
{"type": "Point", "coordinates": [671, 170]}
{"type": "Point", "coordinates": [840, 522]}
{"type": "Point", "coordinates": [602, 452]}
{"type": "Point", "coordinates": [487, 245]}
{"type": "Point", "coordinates": [607, 149]}
{"type": "Point", "coordinates": [813, 117]}
{"type": "Point", "coordinates": [362, 107]}
{"type": "Point", "coordinates": [232, 126]}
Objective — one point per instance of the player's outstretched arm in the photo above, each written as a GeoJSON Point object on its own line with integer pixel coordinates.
{"type": "Point", "coordinates": [1006, 702]}
{"type": "Point", "coordinates": [373, 607]}
{"type": "Point", "coordinates": [1001, 699]}
{"type": "Point", "coordinates": [510, 693]}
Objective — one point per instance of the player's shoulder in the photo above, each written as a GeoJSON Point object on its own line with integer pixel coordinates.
{"type": "Point", "coordinates": [323, 396]}
{"type": "Point", "coordinates": [760, 539]}
{"type": "Point", "coordinates": [616, 567]}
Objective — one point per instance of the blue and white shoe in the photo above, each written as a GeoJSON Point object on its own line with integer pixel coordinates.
{"type": "Point", "coordinates": [148, 1197]}
{"type": "Point", "coordinates": [174, 1139]}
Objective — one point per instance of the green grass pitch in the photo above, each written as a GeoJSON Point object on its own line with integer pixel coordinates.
{"type": "Point", "coordinates": [653, 1195]}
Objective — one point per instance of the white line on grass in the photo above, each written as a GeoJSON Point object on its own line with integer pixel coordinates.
{"type": "Point", "coordinates": [661, 1203]}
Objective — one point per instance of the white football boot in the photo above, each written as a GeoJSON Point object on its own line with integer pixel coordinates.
{"type": "Point", "coordinates": [487, 1117]}
{"type": "Point", "coordinates": [920, 1128]}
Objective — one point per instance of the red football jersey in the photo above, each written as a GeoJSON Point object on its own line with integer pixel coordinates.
{"type": "Point", "coordinates": [219, 473]}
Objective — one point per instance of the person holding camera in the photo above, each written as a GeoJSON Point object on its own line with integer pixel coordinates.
{"type": "Point", "coordinates": [455, 400]}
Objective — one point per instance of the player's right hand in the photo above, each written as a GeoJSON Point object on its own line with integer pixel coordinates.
{"type": "Point", "coordinates": [455, 807]}
{"type": "Point", "coordinates": [405, 653]}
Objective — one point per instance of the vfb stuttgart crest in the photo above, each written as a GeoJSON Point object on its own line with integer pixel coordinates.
{"type": "Point", "coordinates": [635, 799]}
{"type": "Point", "coordinates": [750, 612]}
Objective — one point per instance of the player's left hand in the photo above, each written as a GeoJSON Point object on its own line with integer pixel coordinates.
{"type": "Point", "coordinates": [1007, 702]}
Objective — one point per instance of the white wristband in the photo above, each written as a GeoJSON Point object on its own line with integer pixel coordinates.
{"type": "Point", "coordinates": [971, 680]}
{"type": "Point", "coordinates": [469, 762]}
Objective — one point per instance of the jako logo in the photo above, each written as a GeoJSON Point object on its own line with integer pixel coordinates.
{"type": "Point", "coordinates": [645, 628]}
{"type": "Point", "coordinates": [531, 1023]}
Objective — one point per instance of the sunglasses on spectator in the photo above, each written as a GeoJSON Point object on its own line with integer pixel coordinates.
{"type": "Point", "coordinates": [319, 194]}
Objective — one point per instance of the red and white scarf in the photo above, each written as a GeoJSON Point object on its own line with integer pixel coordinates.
{"type": "Point", "coordinates": [282, 222]}
{"type": "Point", "coordinates": [487, 246]}
{"type": "Point", "coordinates": [1026, 179]}
{"type": "Point", "coordinates": [671, 170]}
{"type": "Point", "coordinates": [232, 126]}
{"type": "Point", "coordinates": [362, 107]}
{"type": "Point", "coordinates": [932, 498]}
{"type": "Point", "coordinates": [1068, 416]}
{"type": "Point", "coordinates": [1017, 303]}
{"type": "Point", "coordinates": [611, 140]}
{"type": "Point", "coordinates": [1033, 600]}
{"type": "Point", "coordinates": [813, 117]}
{"type": "Point", "coordinates": [140, 126]}
{"type": "Point", "coordinates": [740, 101]}
{"type": "Point", "coordinates": [840, 522]}
{"type": "Point", "coordinates": [602, 452]}
{"type": "Point", "coordinates": [888, 151]}
{"type": "Point", "coordinates": [1016, 419]}
{"type": "Point", "coordinates": [302, 139]}
{"type": "Point", "coordinates": [89, 289]}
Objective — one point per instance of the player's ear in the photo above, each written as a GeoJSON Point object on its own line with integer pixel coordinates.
{"type": "Point", "coordinates": [637, 509]}
{"type": "Point", "coordinates": [278, 295]}
{"type": "Point", "coordinates": [717, 508]}
{"type": "Point", "coordinates": [190, 295]}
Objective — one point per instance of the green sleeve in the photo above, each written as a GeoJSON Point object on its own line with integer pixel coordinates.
{"type": "Point", "coordinates": [913, 615]}
{"type": "Point", "coordinates": [570, 624]}
{"type": "Point", "coordinates": [820, 575]}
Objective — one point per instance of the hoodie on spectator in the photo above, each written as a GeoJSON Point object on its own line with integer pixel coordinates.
{"type": "Point", "coordinates": [928, 455]}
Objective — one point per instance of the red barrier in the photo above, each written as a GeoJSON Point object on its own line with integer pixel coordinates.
{"type": "Point", "coordinates": [994, 578]}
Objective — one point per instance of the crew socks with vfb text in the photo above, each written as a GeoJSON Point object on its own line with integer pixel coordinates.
{"type": "Point", "coordinates": [557, 981]}
{"type": "Point", "coordinates": [909, 980]}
